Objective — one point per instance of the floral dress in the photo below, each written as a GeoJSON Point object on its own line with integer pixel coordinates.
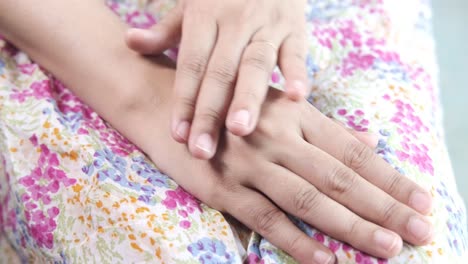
{"type": "Point", "coordinates": [73, 190]}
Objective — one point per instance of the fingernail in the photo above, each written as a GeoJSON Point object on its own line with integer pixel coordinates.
{"type": "Point", "coordinates": [385, 240]}
{"type": "Point", "coordinates": [182, 130]}
{"type": "Point", "coordinates": [421, 201]}
{"type": "Point", "coordinates": [300, 87]}
{"type": "Point", "coordinates": [420, 228]}
{"type": "Point", "coordinates": [321, 257]}
{"type": "Point", "coordinates": [370, 139]}
{"type": "Point", "coordinates": [205, 143]}
{"type": "Point", "coordinates": [143, 33]}
{"type": "Point", "coordinates": [241, 117]}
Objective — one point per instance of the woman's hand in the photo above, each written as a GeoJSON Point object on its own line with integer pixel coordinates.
{"type": "Point", "coordinates": [225, 45]}
{"type": "Point", "coordinates": [296, 161]}
{"type": "Point", "coordinates": [300, 162]}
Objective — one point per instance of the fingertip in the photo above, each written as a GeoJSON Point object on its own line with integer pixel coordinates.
{"type": "Point", "coordinates": [324, 257]}
{"type": "Point", "coordinates": [203, 147]}
{"type": "Point", "coordinates": [388, 242]}
{"type": "Point", "coordinates": [143, 40]}
{"type": "Point", "coordinates": [370, 139]}
{"type": "Point", "coordinates": [421, 201]}
{"type": "Point", "coordinates": [296, 90]}
{"type": "Point", "coordinates": [421, 229]}
{"type": "Point", "coordinates": [240, 122]}
{"type": "Point", "coordinates": [181, 131]}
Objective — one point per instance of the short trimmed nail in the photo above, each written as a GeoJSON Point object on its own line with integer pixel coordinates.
{"type": "Point", "coordinates": [182, 130]}
{"type": "Point", "coordinates": [385, 239]}
{"type": "Point", "coordinates": [321, 257]}
{"type": "Point", "coordinates": [146, 34]}
{"type": "Point", "coordinates": [205, 143]}
{"type": "Point", "coordinates": [420, 228]}
{"type": "Point", "coordinates": [241, 117]}
{"type": "Point", "coordinates": [300, 87]}
{"type": "Point", "coordinates": [420, 201]}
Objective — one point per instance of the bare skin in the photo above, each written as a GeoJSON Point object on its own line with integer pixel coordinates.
{"type": "Point", "coordinates": [317, 177]}
{"type": "Point", "coordinates": [228, 50]}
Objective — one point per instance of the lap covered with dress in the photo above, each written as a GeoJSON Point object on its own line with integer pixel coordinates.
{"type": "Point", "coordinates": [73, 190]}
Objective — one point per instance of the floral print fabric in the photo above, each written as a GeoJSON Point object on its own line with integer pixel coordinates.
{"type": "Point", "coordinates": [73, 190]}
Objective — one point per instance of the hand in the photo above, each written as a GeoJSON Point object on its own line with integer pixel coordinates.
{"type": "Point", "coordinates": [290, 164]}
{"type": "Point", "coordinates": [225, 45]}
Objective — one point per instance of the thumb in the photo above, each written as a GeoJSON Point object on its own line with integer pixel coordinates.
{"type": "Point", "coordinates": [160, 37]}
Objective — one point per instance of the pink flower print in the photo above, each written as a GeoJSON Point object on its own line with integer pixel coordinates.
{"type": "Point", "coordinates": [275, 77]}
{"type": "Point", "coordinates": [254, 259]}
{"type": "Point", "coordinates": [325, 36]}
{"type": "Point", "coordinates": [346, 247]}
{"type": "Point", "coordinates": [187, 204]}
{"type": "Point", "coordinates": [38, 90]}
{"type": "Point", "coordinates": [185, 224]}
{"type": "Point", "coordinates": [356, 120]}
{"type": "Point", "coordinates": [43, 181]}
{"type": "Point", "coordinates": [362, 258]}
{"type": "Point", "coordinates": [180, 197]}
{"type": "Point", "coordinates": [183, 213]}
{"type": "Point", "coordinates": [334, 246]}
{"type": "Point", "coordinates": [46, 158]}
{"type": "Point", "coordinates": [374, 42]}
{"type": "Point", "coordinates": [41, 89]}
{"type": "Point", "coordinates": [30, 206]}
{"type": "Point", "coordinates": [356, 61]}
{"type": "Point", "coordinates": [53, 212]}
{"type": "Point", "coordinates": [410, 126]}
{"type": "Point", "coordinates": [27, 68]}
{"type": "Point", "coordinates": [170, 203]}
{"type": "Point", "coordinates": [319, 237]}
{"type": "Point", "coordinates": [140, 20]}
{"type": "Point", "coordinates": [349, 33]}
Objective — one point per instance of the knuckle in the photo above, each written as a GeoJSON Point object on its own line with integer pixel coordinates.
{"type": "Point", "coordinates": [186, 104]}
{"type": "Point", "coordinates": [209, 116]}
{"type": "Point", "coordinates": [258, 59]}
{"type": "Point", "coordinates": [357, 155]}
{"type": "Point", "coordinates": [306, 200]}
{"type": "Point", "coordinates": [266, 219]}
{"type": "Point", "coordinates": [341, 180]}
{"type": "Point", "coordinates": [193, 65]}
{"type": "Point", "coordinates": [250, 95]}
{"type": "Point", "coordinates": [299, 58]}
{"type": "Point", "coordinates": [353, 228]}
{"type": "Point", "coordinates": [224, 73]}
{"type": "Point", "coordinates": [394, 183]}
{"type": "Point", "coordinates": [295, 243]}
{"type": "Point", "coordinates": [388, 211]}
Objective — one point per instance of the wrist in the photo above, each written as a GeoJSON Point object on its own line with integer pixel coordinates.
{"type": "Point", "coordinates": [140, 101]}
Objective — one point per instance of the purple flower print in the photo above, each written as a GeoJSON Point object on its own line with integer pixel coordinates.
{"type": "Point", "coordinates": [211, 251]}
{"type": "Point", "coordinates": [85, 119]}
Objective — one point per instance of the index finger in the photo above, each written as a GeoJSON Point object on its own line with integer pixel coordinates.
{"type": "Point", "coordinates": [357, 156]}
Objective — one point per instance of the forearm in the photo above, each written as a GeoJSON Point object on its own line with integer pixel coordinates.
{"type": "Point", "coordinates": [79, 41]}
